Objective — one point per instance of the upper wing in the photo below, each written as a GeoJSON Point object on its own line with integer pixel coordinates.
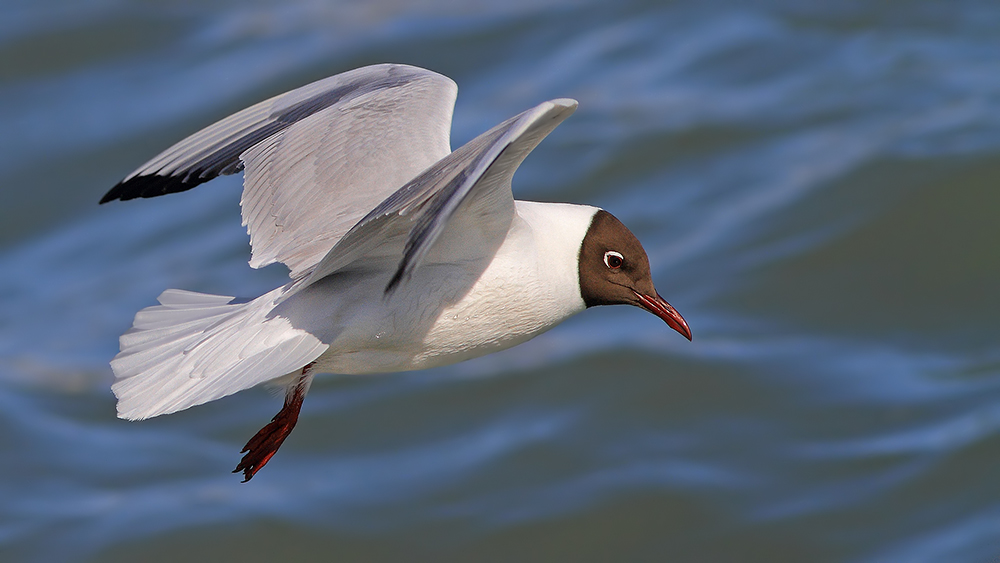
{"type": "Point", "coordinates": [469, 188]}
{"type": "Point", "coordinates": [317, 158]}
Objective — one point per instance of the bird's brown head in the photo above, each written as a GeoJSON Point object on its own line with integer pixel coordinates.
{"type": "Point", "coordinates": [614, 270]}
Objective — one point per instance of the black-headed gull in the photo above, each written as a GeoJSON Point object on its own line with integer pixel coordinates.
{"type": "Point", "coordinates": [403, 254]}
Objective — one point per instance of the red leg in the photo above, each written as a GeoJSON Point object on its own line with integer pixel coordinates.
{"type": "Point", "coordinates": [266, 442]}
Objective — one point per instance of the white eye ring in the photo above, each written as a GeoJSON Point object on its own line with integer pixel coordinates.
{"type": "Point", "coordinates": [613, 260]}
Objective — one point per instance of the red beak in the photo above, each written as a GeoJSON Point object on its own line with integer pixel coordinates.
{"type": "Point", "coordinates": [659, 307]}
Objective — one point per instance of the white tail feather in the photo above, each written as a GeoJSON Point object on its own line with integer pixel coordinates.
{"type": "Point", "coordinates": [194, 347]}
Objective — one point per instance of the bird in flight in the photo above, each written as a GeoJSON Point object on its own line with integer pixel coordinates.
{"type": "Point", "coordinates": [403, 254]}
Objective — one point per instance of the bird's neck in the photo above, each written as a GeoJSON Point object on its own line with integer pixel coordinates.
{"type": "Point", "coordinates": [557, 231]}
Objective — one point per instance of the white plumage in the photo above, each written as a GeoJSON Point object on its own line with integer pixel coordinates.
{"type": "Point", "coordinates": [403, 254]}
{"type": "Point", "coordinates": [308, 199]}
{"type": "Point", "coordinates": [195, 347]}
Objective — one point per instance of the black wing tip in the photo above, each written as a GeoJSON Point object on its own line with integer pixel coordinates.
{"type": "Point", "coordinates": [404, 270]}
{"type": "Point", "coordinates": [393, 284]}
{"type": "Point", "coordinates": [402, 274]}
{"type": "Point", "coordinates": [152, 185]}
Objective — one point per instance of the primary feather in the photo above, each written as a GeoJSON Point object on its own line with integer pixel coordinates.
{"type": "Point", "coordinates": [317, 158]}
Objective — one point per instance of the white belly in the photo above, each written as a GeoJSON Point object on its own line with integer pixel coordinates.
{"type": "Point", "coordinates": [445, 313]}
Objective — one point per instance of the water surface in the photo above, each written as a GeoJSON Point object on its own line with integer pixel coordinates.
{"type": "Point", "coordinates": [817, 190]}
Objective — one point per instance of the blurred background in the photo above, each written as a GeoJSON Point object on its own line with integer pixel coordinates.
{"type": "Point", "coordinates": [816, 184]}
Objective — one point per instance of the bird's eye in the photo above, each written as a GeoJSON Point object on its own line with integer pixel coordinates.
{"type": "Point", "coordinates": [613, 259]}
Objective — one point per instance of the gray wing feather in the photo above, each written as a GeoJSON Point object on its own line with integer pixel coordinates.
{"type": "Point", "coordinates": [216, 149]}
{"type": "Point", "coordinates": [317, 158]}
{"type": "Point", "coordinates": [308, 185]}
{"type": "Point", "coordinates": [475, 178]}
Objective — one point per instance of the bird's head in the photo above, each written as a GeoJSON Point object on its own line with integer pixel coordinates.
{"type": "Point", "coordinates": [614, 270]}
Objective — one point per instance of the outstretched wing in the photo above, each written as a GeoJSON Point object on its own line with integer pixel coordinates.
{"type": "Point", "coordinates": [469, 190]}
{"type": "Point", "coordinates": [317, 158]}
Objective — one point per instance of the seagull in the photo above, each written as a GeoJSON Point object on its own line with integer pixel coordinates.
{"type": "Point", "coordinates": [403, 254]}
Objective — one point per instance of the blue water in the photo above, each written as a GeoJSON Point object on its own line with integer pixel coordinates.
{"type": "Point", "coordinates": [816, 185]}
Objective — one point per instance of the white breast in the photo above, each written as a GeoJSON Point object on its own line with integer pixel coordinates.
{"type": "Point", "coordinates": [530, 285]}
